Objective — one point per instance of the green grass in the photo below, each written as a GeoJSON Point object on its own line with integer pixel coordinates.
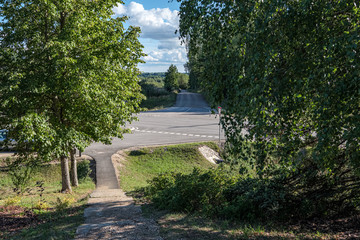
{"type": "Point", "coordinates": [160, 102]}
{"type": "Point", "coordinates": [144, 164]}
{"type": "Point", "coordinates": [52, 223]}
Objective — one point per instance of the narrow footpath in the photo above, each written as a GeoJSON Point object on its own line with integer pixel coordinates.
{"type": "Point", "coordinates": [111, 214]}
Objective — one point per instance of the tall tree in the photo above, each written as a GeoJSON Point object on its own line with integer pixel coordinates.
{"type": "Point", "coordinates": [171, 78]}
{"type": "Point", "coordinates": [68, 76]}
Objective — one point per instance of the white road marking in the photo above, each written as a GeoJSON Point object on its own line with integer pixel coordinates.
{"type": "Point", "coordinates": [172, 133]}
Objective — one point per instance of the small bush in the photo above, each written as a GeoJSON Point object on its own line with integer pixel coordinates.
{"type": "Point", "coordinates": [199, 191]}
{"type": "Point", "coordinates": [12, 201]}
{"type": "Point", "coordinates": [62, 204]}
{"type": "Point", "coordinates": [41, 205]}
{"type": "Point", "coordinates": [83, 170]}
{"type": "Point", "coordinates": [255, 199]}
{"type": "Point", "coordinates": [20, 171]}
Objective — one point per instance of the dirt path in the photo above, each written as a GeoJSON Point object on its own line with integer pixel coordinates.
{"type": "Point", "coordinates": [113, 215]}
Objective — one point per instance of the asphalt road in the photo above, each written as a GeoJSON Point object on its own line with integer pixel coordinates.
{"type": "Point", "coordinates": [190, 120]}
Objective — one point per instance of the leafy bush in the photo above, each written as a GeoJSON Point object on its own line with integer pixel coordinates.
{"type": "Point", "coordinates": [12, 201]}
{"type": "Point", "coordinates": [41, 205]}
{"type": "Point", "coordinates": [83, 170]}
{"type": "Point", "coordinates": [20, 171]}
{"type": "Point", "coordinates": [62, 204]}
{"type": "Point", "coordinates": [301, 194]}
{"type": "Point", "coordinates": [255, 199]}
{"type": "Point", "coordinates": [199, 191]}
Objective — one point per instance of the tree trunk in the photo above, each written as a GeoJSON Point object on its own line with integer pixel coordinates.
{"type": "Point", "coordinates": [66, 187]}
{"type": "Point", "coordinates": [73, 172]}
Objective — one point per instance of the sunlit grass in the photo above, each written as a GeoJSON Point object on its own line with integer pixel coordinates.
{"type": "Point", "coordinates": [144, 164]}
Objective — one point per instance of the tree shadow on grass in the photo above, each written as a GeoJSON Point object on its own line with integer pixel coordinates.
{"type": "Point", "coordinates": [185, 226]}
{"type": "Point", "coordinates": [43, 225]}
{"type": "Point", "coordinates": [137, 153]}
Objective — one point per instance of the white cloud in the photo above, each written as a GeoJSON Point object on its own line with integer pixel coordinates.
{"type": "Point", "coordinates": [149, 58]}
{"type": "Point", "coordinates": [168, 56]}
{"type": "Point", "coordinates": [157, 25]}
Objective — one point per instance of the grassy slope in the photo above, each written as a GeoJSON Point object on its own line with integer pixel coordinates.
{"type": "Point", "coordinates": [146, 163]}
{"type": "Point", "coordinates": [53, 224]}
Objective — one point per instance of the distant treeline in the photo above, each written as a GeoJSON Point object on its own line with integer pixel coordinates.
{"type": "Point", "coordinates": [153, 77]}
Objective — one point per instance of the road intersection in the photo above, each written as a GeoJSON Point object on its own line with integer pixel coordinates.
{"type": "Point", "coordinates": [190, 120]}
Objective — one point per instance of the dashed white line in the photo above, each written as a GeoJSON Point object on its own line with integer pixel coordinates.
{"type": "Point", "coordinates": [172, 133]}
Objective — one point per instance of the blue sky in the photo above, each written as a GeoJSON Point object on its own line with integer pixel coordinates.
{"type": "Point", "coordinates": [158, 20]}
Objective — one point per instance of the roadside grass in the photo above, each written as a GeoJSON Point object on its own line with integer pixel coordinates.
{"type": "Point", "coordinates": [146, 163]}
{"type": "Point", "coordinates": [142, 165]}
{"type": "Point", "coordinates": [159, 102]}
{"type": "Point", "coordinates": [42, 211]}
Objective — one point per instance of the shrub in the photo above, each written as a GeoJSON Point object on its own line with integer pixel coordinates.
{"type": "Point", "coordinates": [281, 197]}
{"type": "Point", "coordinates": [199, 191]}
{"type": "Point", "coordinates": [83, 170]}
{"type": "Point", "coordinates": [255, 198]}
{"type": "Point", "coordinates": [62, 204]}
{"type": "Point", "coordinates": [41, 205]}
{"type": "Point", "coordinates": [20, 171]}
{"type": "Point", "coordinates": [12, 201]}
